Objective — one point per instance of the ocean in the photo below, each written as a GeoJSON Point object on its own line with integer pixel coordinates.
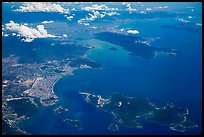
{"type": "Point", "coordinates": [162, 79]}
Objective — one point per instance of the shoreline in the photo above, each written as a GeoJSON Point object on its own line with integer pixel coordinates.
{"type": "Point", "coordinates": [54, 85]}
{"type": "Point", "coordinates": [61, 76]}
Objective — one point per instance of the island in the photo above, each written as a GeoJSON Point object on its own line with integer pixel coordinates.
{"type": "Point", "coordinates": [17, 110]}
{"type": "Point", "coordinates": [59, 110]}
{"type": "Point", "coordinates": [135, 45]}
{"type": "Point", "coordinates": [127, 111]}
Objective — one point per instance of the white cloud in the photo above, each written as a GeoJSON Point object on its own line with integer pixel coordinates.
{"type": "Point", "coordinates": [80, 21]}
{"type": "Point", "coordinates": [159, 7]}
{"type": "Point", "coordinates": [96, 14]}
{"type": "Point", "coordinates": [143, 12]}
{"type": "Point", "coordinates": [122, 29]}
{"type": "Point", "coordinates": [29, 34]}
{"type": "Point", "coordinates": [98, 7]}
{"type": "Point", "coordinates": [129, 8]}
{"type": "Point", "coordinates": [97, 11]}
{"type": "Point", "coordinates": [148, 9]}
{"type": "Point", "coordinates": [112, 13]}
{"type": "Point", "coordinates": [199, 24]}
{"type": "Point", "coordinates": [64, 35]}
{"type": "Point", "coordinates": [133, 31]}
{"type": "Point", "coordinates": [182, 20]}
{"type": "Point", "coordinates": [46, 22]}
{"type": "Point", "coordinates": [5, 35]}
{"type": "Point", "coordinates": [145, 42]}
{"type": "Point", "coordinates": [41, 7]}
{"type": "Point", "coordinates": [70, 17]}
{"type": "Point", "coordinates": [13, 34]}
{"type": "Point", "coordinates": [164, 7]}
{"type": "Point", "coordinates": [190, 17]}
{"type": "Point", "coordinates": [128, 5]}
{"type": "Point", "coordinates": [86, 24]}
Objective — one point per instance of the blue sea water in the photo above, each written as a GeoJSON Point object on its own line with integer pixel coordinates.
{"type": "Point", "coordinates": [162, 79]}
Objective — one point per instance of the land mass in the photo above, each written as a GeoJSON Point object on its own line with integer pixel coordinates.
{"type": "Point", "coordinates": [31, 78]}
{"type": "Point", "coordinates": [135, 45]}
{"type": "Point", "coordinates": [127, 111]}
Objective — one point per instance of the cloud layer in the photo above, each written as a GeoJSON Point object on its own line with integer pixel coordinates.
{"type": "Point", "coordinates": [29, 34]}
{"type": "Point", "coordinates": [98, 7]}
{"type": "Point", "coordinates": [46, 22]}
{"type": "Point", "coordinates": [41, 7]}
{"type": "Point", "coordinates": [97, 11]}
{"type": "Point", "coordinates": [133, 31]}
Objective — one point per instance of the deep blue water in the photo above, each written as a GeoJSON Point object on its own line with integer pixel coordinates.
{"type": "Point", "coordinates": [163, 79]}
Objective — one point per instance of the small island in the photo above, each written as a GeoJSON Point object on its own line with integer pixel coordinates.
{"type": "Point", "coordinates": [59, 110]}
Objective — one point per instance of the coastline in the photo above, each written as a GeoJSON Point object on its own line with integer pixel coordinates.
{"type": "Point", "coordinates": [62, 75]}
{"type": "Point", "coordinates": [54, 85]}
